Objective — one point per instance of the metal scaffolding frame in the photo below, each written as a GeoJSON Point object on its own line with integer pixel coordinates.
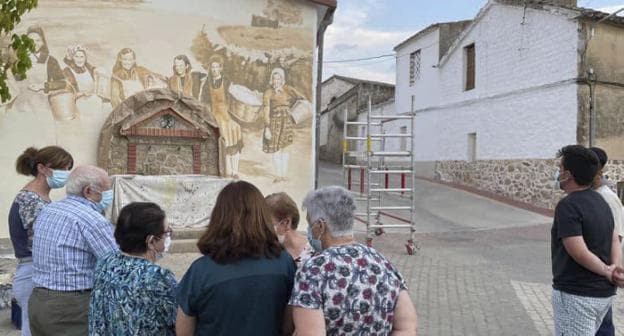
{"type": "Point", "coordinates": [374, 173]}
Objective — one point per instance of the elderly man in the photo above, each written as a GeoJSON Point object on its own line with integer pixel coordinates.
{"type": "Point", "coordinates": [349, 288]}
{"type": "Point", "coordinates": [70, 235]}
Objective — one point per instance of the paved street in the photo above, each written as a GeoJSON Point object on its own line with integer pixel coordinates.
{"type": "Point", "coordinates": [483, 267]}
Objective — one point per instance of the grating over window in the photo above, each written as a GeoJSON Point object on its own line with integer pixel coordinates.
{"type": "Point", "coordinates": [414, 66]}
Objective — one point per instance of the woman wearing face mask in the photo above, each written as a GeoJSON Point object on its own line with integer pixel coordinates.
{"type": "Point", "coordinates": [285, 222]}
{"type": "Point", "coordinates": [50, 167]}
{"type": "Point", "coordinates": [132, 295]}
{"type": "Point", "coordinates": [349, 288]}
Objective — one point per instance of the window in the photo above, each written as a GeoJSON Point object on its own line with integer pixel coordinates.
{"type": "Point", "coordinates": [472, 147]}
{"type": "Point", "coordinates": [403, 139]}
{"type": "Point", "coordinates": [414, 67]}
{"type": "Point", "coordinates": [469, 53]}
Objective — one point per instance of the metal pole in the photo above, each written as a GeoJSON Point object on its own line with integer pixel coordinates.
{"type": "Point", "coordinates": [413, 175]}
{"type": "Point", "coordinates": [369, 234]}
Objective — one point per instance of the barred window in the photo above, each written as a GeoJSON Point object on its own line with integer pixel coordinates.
{"type": "Point", "coordinates": [414, 67]}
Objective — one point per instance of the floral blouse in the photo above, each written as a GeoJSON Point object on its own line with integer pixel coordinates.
{"type": "Point", "coordinates": [307, 253]}
{"type": "Point", "coordinates": [132, 296]}
{"type": "Point", "coordinates": [355, 286]}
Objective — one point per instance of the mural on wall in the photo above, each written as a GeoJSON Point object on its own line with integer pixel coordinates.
{"type": "Point", "coordinates": [248, 63]}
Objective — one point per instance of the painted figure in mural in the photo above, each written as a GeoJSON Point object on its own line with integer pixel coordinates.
{"type": "Point", "coordinates": [128, 77]}
{"type": "Point", "coordinates": [184, 81]}
{"type": "Point", "coordinates": [45, 76]}
{"type": "Point", "coordinates": [79, 72]}
{"type": "Point", "coordinates": [215, 94]}
{"type": "Point", "coordinates": [279, 127]}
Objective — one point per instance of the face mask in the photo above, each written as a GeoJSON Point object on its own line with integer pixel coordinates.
{"type": "Point", "coordinates": [167, 244]}
{"type": "Point", "coordinates": [315, 243]}
{"type": "Point", "coordinates": [58, 178]}
{"type": "Point", "coordinates": [107, 200]}
{"type": "Point", "coordinates": [557, 183]}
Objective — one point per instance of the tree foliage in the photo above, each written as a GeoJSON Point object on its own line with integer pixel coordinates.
{"type": "Point", "coordinates": [14, 48]}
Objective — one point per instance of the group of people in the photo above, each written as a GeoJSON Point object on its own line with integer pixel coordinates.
{"type": "Point", "coordinates": [79, 274]}
{"type": "Point", "coordinates": [586, 245]}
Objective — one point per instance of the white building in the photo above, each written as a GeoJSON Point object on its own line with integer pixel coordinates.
{"type": "Point", "coordinates": [496, 97]}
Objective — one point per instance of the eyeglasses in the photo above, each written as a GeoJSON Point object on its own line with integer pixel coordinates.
{"type": "Point", "coordinates": [166, 233]}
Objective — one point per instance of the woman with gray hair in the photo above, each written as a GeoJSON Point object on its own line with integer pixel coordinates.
{"type": "Point", "coordinates": [349, 288]}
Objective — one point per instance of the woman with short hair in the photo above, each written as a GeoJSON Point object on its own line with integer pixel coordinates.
{"type": "Point", "coordinates": [349, 288]}
{"type": "Point", "coordinates": [242, 283]}
{"type": "Point", "coordinates": [285, 223]}
{"type": "Point", "coordinates": [132, 295]}
{"type": "Point", "coordinates": [49, 167]}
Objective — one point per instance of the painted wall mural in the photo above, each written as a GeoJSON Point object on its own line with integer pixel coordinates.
{"type": "Point", "coordinates": [248, 63]}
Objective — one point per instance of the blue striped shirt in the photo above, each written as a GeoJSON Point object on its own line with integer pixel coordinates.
{"type": "Point", "coordinates": [70, 235]}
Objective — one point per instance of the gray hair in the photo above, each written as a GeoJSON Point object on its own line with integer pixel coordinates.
{"type": "Point", "coordinates": [84, 176]}
{"type": "Point", "coordinates": [333, 204]}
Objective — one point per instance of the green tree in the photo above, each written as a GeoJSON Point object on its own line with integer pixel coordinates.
{"type": "Point", "coordinates": [14, 48]}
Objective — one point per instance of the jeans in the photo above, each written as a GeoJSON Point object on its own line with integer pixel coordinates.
{"type": "Point", "coordinates": [22, 288]}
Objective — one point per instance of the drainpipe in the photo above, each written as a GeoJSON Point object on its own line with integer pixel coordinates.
{"type": "Point", "coordinates": [327, 20]}
{"type": "Point", "coordinates": [591, 80]}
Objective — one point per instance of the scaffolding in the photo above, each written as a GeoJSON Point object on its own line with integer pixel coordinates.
{"type": "Point", "coordinates": [369, 153]}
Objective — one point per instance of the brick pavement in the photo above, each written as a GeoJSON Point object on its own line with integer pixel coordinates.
{"type": "Point", "coordinates": [463, 283]}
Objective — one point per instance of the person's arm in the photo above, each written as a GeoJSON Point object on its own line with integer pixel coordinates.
{"type": "Point", "coordinates": [405, 320]}
{"type": "Point", "coordinates": [616, 249]}
{"type": "Point", "coordinates": [309, 322]}
{"type": "Point", "coordinates": [185, 325]}
{"type": "Point", "coordinates": [288, 326]}
{"type": "Point", "coordinates": [99, 236]}
{"type": "Point", "coordinates": [577, 249]}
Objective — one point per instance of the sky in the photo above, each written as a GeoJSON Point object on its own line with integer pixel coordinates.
{"type": "Point", "coordinates": [369, 28]}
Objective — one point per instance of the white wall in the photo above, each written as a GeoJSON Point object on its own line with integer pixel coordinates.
{"type": "Point", "coordinates": [425, 89]}
{"type": "Point", "coordinates": [530, 125]}
{"type": "Point", "coordinates": [522, 106]}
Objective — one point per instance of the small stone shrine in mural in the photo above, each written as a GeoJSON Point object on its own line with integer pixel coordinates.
{"type": "Point", "coordinates": [156, 132]}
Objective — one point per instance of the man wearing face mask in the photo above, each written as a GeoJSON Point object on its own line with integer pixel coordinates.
{"type": "Point", "coordinates": [70, 236]}
{"type": "Point", "coordinates": [584, 247]}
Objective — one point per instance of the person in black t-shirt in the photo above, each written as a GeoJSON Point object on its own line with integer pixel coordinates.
{"type": "Point", "coordinates": [584, 247]}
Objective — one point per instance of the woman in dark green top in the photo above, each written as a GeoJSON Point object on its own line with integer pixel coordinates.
{"type": "Point", "coordinates": [242, 284]}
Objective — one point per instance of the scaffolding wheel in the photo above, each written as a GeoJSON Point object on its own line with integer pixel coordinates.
{"type": "Point", "coordinates": [379, 231]}
{"type": "Point", "coordinates": [411, 247]}
{"type": "Point", "coordinates": [369, 242]}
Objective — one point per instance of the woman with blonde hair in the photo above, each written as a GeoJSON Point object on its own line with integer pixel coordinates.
{"type": "Point", "coordinates": [285, 222]}
{"type": "Point", "coordinates": [242, 283]}
{"type": "Point", "coordinates": [49, 167]}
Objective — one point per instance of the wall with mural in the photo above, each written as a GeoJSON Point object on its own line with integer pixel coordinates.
{"type": "Point", "coordinates": [247, 63]}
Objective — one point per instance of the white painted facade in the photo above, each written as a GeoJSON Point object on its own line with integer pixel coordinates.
{"type": "Point", "coordinates": [525, 101]}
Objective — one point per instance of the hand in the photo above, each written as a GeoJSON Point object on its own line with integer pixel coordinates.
{"type": "Point", "coordinates": [36, 87]}
{"type": "Point", "coordinates": [617, 276]}
{"type": "Point", "coordinates": [609, 272]}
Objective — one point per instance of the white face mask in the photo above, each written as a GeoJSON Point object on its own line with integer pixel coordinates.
{"type": "Point", "coordinates": [167, 244]}
{"type": "Point", "coordinates": [158, 255]}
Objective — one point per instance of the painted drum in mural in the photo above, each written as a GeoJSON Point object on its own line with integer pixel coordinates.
{"type": "Point", "coordinates": [246, 104]}
{"type": "Point", "coordinates": [63, 105]}
{"type": "Point", "coordinates": [301, 111]}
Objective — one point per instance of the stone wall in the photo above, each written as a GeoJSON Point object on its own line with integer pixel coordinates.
{"type": "Point", "coordinates": [528, 181]}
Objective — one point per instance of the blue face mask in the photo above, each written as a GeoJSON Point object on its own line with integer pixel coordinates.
{"type": "Point", "coordinates": [315, 243]}
{"type": "Point", "coordinates": [58, 178]}
{"type": "Point", "coordinates": [106, 201]}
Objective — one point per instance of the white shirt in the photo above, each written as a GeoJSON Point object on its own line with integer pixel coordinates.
{"type": "Point", "coordinates": [616, 208]}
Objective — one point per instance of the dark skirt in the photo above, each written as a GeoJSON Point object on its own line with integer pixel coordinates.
{"type": "Point", "coordinates": [282, 130]}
